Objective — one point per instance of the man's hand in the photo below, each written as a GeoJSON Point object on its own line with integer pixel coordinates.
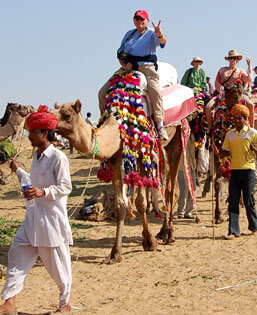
{"type": "Point", "coordinates": [128, 66]}
{"type": "Point", "coordinates": [33, 192]}
{"type": "Point", "coordinates": [249, 63]}
{"type": "Point", "coordinates": [253, 147]}
{"type": "Point", "coordinates": [13, 165]}
{"type": "Point", "coordinates": [157, 29]}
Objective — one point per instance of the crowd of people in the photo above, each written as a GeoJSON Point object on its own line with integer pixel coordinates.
{"type": "Point", "coordinates": [49, 236]}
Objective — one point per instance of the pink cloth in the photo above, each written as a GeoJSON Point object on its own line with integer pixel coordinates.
{"type": "Point", "coordinates": [225, 72]}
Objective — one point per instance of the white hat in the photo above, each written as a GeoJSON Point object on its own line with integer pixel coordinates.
{"type": "Point", "coordinates": [197, 59]}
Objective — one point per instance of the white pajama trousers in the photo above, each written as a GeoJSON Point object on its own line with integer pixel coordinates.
{"type": "Point", "coordinates": [22, 256]}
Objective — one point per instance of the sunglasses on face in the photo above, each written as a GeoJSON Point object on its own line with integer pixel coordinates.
{"type": "Point", "coordinates": [198, 61]}
{"type": "Point", "coordinates": [138, 18]}
{"type": "Point", "coordinates": [233, 58]}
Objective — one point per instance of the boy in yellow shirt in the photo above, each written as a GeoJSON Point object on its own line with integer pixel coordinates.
{"type": "Point", "coordinates": [239, 143]}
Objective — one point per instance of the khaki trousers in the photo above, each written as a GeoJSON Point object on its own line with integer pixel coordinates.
{"type": "Point", "coordinates": [153, 88]}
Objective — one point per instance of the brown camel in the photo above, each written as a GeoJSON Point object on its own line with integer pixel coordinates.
{"type": "Point", "coordinates": [13, 120]}
{"type": "Point", "coordinates": [72, 126]}
{"type": "Point", "coordinates": [12, 124]}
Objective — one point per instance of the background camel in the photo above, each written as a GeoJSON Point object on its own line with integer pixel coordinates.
{"type": "Point", "coordinates": [13, 120]}
{"type": "Point", "coordinates": [12, 125]}
{"type": "Point", "coordinates": [72, 126]}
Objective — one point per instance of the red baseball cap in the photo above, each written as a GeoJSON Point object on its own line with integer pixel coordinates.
{"type": "Point", "coordinates": [142, 13]}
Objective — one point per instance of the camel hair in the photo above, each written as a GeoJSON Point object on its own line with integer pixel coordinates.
{"type": "Point", "coordinates": [72, 126]}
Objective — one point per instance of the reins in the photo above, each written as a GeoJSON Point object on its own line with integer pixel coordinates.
{"type": "Point", "coordinates": [92, 152]}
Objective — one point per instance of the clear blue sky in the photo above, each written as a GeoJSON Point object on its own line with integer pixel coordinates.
{"type": "Point", "coordinates": [61, 50]}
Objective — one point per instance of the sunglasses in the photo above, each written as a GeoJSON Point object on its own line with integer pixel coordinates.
{"type": "Point", "coordinates": [138, 18]}
{"type": "Point", "coordinates": [198, 61]}
{"type": "Point", "coordinates": [233, 58]}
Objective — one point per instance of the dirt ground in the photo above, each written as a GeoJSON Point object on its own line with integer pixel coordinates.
{"type": "Point", "coordinates": [181, 278]}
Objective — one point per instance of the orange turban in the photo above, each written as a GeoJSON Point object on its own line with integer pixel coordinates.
{"type": "Point", "coordinates": [239, 109]}
{"type": "Point", "coordinates": [42, 119]}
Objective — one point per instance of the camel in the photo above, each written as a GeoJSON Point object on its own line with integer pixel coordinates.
{"type": "Point", "coordinates": [220, 124]}
{"type": "Point", "coordinates": [13, 120]}
{"type": "Point", "coordinates": [72, 126]}
{"type": "Point", "coordinates": [12, 124]}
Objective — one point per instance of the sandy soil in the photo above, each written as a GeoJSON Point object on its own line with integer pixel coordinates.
{"type": "Point", "coordinates": [176, 279]}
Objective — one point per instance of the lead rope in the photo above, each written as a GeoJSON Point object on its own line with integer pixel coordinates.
{"type": "Point", "coordinates": [93, 148]}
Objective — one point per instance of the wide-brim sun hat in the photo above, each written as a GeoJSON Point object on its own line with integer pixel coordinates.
{"type": "Point", "coordinates": [233, 53]}
{"type": "Point", "coordinates": [197, 59]}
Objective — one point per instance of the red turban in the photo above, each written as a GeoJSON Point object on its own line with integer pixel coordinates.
{"type": "Point", "coordinates": [42, 119]}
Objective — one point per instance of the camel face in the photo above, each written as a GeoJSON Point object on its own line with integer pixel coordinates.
{"type": "Point", "coordinates": [68, 116]}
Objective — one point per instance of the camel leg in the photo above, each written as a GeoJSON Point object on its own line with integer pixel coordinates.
{"type": "Point", "coordinates": [152, 200]}
{"type": "Point", "coordinates": [173, 149]}
{"type": "Point", "coordinates": [155, 201]}
{"type": "Point", "coordinates": [115, 255]}
{"type": "Point", "coordinates": [149, 241]}
{"type": "Point", "coordinates": [148, 199]}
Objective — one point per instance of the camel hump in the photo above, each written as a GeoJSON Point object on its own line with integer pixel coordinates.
{"type": "Point", "coordinates": [167, 76]}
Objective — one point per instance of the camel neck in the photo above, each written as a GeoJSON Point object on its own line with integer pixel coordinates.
{"type": "Point", "coordinates": [107, 138]}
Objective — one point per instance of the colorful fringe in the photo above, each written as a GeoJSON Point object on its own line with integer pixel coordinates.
{"type": "Point", "coordinates": [124, 101]}
{"type": "Point", "coordinates": [199, 124]}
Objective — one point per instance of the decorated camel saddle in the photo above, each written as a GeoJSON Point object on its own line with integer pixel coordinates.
{"type": "Point", "coordinates": [127, 100]}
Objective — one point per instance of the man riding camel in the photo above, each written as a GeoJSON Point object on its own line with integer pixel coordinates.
{"type": "Point", "coordinates": [138, 52]}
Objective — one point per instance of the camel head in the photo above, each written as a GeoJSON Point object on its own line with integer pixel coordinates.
{"type": "Point", "coordinates": [21, 110]}
{"type": "Point", "coordinates": [69, 119]}
{"type": "Point", "coordinates": [233, 94]}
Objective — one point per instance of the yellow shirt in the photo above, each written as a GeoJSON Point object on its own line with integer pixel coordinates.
{"type": "Point", "coordinates": [238, 143]}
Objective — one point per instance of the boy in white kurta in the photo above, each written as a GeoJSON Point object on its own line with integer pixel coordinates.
{"type": "Point", "coordinates": [46, 231]}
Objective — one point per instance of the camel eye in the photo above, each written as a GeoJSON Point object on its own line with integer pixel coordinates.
{"type": "Point", "coordinates": [66, 116]}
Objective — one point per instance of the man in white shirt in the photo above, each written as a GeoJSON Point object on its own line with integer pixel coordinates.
{"type": "Point", "coordinates": [46, 231]}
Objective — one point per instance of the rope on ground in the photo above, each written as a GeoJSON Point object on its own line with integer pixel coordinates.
{"type": "Point", "coordinates": [237, 285]}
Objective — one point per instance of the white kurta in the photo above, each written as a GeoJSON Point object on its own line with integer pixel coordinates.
{"type": "Point", "coordinates": [46, 223]}
{"type": "Point", "coordinates": [46, 231]}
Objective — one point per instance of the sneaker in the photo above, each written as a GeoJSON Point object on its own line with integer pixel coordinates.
{"type": "Point", "coordinates": [231, 237]}
{"type": "Point", "coordinates": [163, 134]}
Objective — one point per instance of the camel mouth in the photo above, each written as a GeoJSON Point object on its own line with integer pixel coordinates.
{"type": "Point", "coordinates": [24, 112]}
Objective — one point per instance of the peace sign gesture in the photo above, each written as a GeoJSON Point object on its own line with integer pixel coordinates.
{"type": "Point", "coordinates": [157, 29]}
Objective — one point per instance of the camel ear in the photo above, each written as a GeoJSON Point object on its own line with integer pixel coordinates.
{"type": "Point", "coordinates": [77, 106]}
{"type": "Point", "coordinates": [56, 105]}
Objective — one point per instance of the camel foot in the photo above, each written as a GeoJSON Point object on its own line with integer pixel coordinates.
{"type": "Point", "coordinates": [160, 234]}
{"type": "Point", "coordinates": [114, 257]}
{"type": "Point", "coordinates": [166, 235]}
{"type": "Point", "coordinates": [149, 242]}
{"type": "Point", "coordinates": [169, 238]}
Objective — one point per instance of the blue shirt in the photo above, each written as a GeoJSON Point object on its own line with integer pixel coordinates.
{"type": "Point", "coordinates": [140, 44]}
